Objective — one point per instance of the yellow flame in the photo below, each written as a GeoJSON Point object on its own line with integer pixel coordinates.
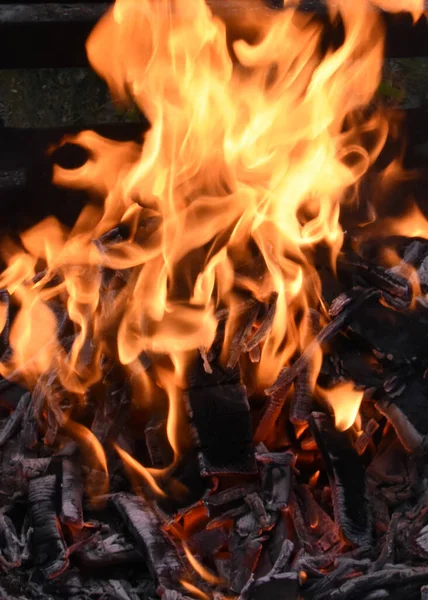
{"type": "Point", "coordinates": [345, 401]}
{"type": "Point", "coordinates": [137, 467]}
{"type": "Point", "coordinates": [199, 568]}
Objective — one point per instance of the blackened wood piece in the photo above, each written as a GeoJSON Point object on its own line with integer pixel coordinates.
{"type": "Point", "coordinates": [50, 553]}
{"type": "Point", "coordinates": [400, 336]}
{"type": "Point", "coordinates": [146, 529]}
{"type": "Point", "coordinates": [406, 432]}
{"type": "Point", "coordinates": [244, 554]}
{"type": "Point", "coordinates": [264, 327]}
{"type": "Point", "coordinates": [301, 400]}
{"type": "Point", "coordinates": [365, 438]}
{"type": "Point", "coordinates": [10, 549]}
{"type": "Point", "coordinates": [242, 335]}
{"type": "Point", "coordinates": [357, 587]}
{"type": "Point", "coordinates": [113, 550]}
{"type": "Point", "coordinates": [271, 586]}
{"type": "Point", "coordinates": [288, 374]}
{"type": "Point", "coordinates": [377, 276]}
{"type": "Point", "coordinates": [276, 476]}
{"type": "Point", "coordinates": [13, 423]}
{"type": "Point", "coordinates": [413, 402]}
{"type": "Point", "coordinates": [30, 428]}
{"type": "Point", "coordinates": [31, 468]}
{"type": "Point", "coordinates": [222, 414]}
{"type": "Point", "coordinates": [224, 500]}
{"type": "Point", "coordinates": [159, 448]}
{"type": "Point", "coordinates": [272, 410]}
{"type": "Point", "coordinates": [71, 493]}
{"type": "Point", "coordinates": [112, 415]}
{"type": "Point", "coordinates": [347, 480]}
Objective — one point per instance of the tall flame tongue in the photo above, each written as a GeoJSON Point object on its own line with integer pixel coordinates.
{"type": "Point", "coordinates": [241, 175]}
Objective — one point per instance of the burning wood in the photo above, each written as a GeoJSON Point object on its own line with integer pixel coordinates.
{"type": "Point", "coordinates": [177, 333]}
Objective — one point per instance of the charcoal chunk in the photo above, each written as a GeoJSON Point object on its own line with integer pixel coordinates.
{"type": "Point", "coordinates": [49, 548]}
{"type": "Point", "coordinates": [222, 413]}
{"type": "Point", "coordinates": [347, 479]}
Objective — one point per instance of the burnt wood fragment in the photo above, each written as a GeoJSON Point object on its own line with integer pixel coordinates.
{"type": "Point", "coordinates": [13, 423]}
{"type": "Point", "coordinates": [301, 400]}
{"type": "Point", "coordinates": [390, 282]}
{"type": "Point", "coordinates": [219, 502]}
{"type": "Point", "coordinates": [158, 447]}
{"type": "Point", "coordinates": [145, 527]}
{"type": "Point", "coordinates": [111, 415]}
{"type": "Point", "coordinates": [31, 468]}
{"type": "Point", "coordinates": [273, 585]}
{"type": "Point", "coordinates": [357, 587]}
{"type": "Point", "coordinates": [10, 547]}
{"type": "Point", "coordinates": [347, 480]}
{"type": "Point", "coordinates": [107, 552]}
{"type": "Point", "coordinates": [265, 326]}
{"type": "Point", "coordinates": [222, 412]}
{"type": "Point", "coordinates": [411, 439]}
{"type": "Point", "coordinates": [50, 553]}
{"type": "Point", "coordinates": [276, 476]}
{"type": "Point", "coordinates": [244, 554]}
{"type": "Point", "coordinates": [397, 335]}
{"type": "Point", "coordinates": [365, 438]}
{"type": "Point", "coordinates": [272, 410]}
{"type": "Point", "coordinates": [71, 493]}
{"type": "Point", "coordinates": [288, 374]}
{"type": "Point", "coordinates": [241, 337]}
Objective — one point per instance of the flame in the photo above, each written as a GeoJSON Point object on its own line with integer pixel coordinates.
{"type": "Point", "coordinates": [137, 467]}
{"type": "Point", "coordinates": [199, 568]}
{"type": "Point", "coordinates": [194, 590]}
{"type": "Point", "coordinates": [258, 136]}
{"type": "Point", "coordinates": [345, 401]}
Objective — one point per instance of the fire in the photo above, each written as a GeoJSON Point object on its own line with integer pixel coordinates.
{"type": "Point", "coordinates": [257, 138]}
{"type": "Point", "coordinates": [345, 401]}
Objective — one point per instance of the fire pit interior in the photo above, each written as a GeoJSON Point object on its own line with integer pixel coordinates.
{"type": "Point", "coordinates": [213, 332]}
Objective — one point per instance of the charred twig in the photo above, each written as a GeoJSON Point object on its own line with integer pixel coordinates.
{"type": "Point", "coordinates": [301, 400]}
{"type": "Point", "coordinates": [14, 421]}
{"type": "Point", "coordinates": [50, 550]}
{"type": "Point", "coordinates": [241, 337]}
{"type": "Point", "coordinates": [265, 326]}
{"type": "Point", "coordinates": [71, 493]}
{"type": "Point", "coordinates": [288, 374]}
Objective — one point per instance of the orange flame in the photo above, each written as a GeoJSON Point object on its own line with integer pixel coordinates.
{"type": "Point", "coordinates": [345, 401]}
{"type": "Point", "coordinates": [194, 590]}
{"type": "Point", "coordinates": [199, 568]}
{"type": "Point", "coordinates": [135, 466]}
{"type": "Point", "coordinates": [257, 138]}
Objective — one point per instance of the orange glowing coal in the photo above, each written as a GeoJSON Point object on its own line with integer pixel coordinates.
{"type": "Point", "coordinates": [242, 174]}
